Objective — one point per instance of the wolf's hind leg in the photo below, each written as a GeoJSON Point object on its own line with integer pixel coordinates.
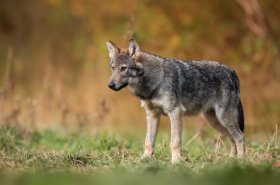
{"type": "Point", "coordinates": [211, 118]}
{"type": "Point", "coordinates": [229, 119]}
{"type": "Point", "coordinates": [233, 150]}
{"type": "Point", "coordinates": [152, 117]}
{"type": "Point", "coordinates": [238, 136]}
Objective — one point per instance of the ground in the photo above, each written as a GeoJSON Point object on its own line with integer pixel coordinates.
{"type": "Point", "coordinates": [55, 156]}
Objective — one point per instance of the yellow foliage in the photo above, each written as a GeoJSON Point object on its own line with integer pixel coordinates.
{"type": "Point", "coordinates": [54, 3]}
{"type": "Point", "coordinates": [77, 8]}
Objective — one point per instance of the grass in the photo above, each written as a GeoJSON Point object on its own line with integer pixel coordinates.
{"type": "Point", "coordinates": [57, 157]}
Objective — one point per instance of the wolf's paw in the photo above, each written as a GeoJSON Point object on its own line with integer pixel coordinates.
{"type": "Point", "coordinates": [233, 152]}
{"type": "Point", "coordinates": [176, 155]}
{"type": "Point", "coordinates": [146, 156]}
{"type": "Point", "coordinates": [176, 159]}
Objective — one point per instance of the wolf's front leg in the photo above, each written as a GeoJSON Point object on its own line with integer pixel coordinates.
{"type": "Point", "coordinates": [176, 120]}
{"type": "Point", "coordinates": [152, 117]}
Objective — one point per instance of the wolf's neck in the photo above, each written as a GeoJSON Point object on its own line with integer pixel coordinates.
{"type": "Point", "coordinates": [145, 86]}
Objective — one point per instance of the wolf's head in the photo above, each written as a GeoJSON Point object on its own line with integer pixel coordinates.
{"type": "Point", "coordinates": [124, 64]}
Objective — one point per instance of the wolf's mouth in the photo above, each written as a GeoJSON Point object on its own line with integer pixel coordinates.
{"type": "Point", "coordinates": [117, 87]}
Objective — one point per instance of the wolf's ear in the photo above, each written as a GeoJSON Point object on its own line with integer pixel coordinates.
{"type": "Point", "coordinates": [113, 49]}
{"type": "Point", "coordinates": [133, 49]}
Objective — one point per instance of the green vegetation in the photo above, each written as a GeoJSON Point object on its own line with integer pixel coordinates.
{"type": "Point", "coordinates": [56, 156]}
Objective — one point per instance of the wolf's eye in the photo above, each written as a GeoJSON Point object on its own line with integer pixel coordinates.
{"type": "Point", "coordinates": [123, 68]}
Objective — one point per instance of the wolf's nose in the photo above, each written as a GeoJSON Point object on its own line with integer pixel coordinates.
{"type": "Point", "coordinates": [111, 85]}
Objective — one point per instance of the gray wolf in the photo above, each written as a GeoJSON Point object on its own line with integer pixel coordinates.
{"type": "Point", "coordinates": [177, 88]}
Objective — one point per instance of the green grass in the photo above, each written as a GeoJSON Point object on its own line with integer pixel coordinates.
{"type": "Point", "coordinates": [57, 157]}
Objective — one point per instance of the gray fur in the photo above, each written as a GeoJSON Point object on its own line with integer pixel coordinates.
{"type": "Point", "coordinates": [176, 88]}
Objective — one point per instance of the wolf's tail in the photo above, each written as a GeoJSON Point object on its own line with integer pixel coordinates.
{"type": "Point", "coordinates": [240, 108]}
{"type": "Point", "coordinates": [240, 117]}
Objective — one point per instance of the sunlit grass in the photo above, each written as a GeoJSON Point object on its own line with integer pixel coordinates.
{"type": "Point", "coordinates": [39, 155]}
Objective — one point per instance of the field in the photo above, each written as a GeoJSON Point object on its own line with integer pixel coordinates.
{"type": "Point", "coordinates": [61, 124]}
{"type": "Point", "coordinates": [54, 156]}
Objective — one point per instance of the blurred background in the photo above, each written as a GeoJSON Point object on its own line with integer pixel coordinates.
{"type": "Point", "coordinates": [54, 64]}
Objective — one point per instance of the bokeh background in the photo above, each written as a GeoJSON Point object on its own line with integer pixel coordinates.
{"type": "Point", "coordinates": [54, 64]}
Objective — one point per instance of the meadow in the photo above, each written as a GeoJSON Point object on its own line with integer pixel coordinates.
{"type": "Point", "coordinates": [54, 156]}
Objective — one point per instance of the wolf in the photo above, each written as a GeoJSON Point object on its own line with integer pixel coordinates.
{"type": "Point", "coordinates": [177, 88]}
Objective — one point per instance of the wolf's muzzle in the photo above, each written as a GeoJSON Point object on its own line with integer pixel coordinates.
{"type": "Point", "coordinates": [116, 86]}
